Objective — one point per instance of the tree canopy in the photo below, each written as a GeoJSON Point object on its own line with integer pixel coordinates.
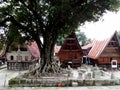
{"type": "Point", "coordinates": [50, 19]}
{"type": "Point", "coordinates": [83, 40]}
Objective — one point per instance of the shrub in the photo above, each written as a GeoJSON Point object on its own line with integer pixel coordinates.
{"type": "Point", "coordinates": [16, 81]}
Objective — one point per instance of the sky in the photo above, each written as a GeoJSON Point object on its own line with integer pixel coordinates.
{"type": "Point", "coordinates": [104, 28]}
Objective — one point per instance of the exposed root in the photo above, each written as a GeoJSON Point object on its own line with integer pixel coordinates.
{"type": "Point", "coordinates": [48, 70]}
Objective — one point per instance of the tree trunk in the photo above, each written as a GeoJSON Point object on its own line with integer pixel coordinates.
{"type": "Point", "coordinates": [47, 63]}
{"type": "Point", "coordinates": [45, 59]}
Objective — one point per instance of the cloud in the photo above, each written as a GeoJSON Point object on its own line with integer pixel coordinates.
{"type": "Point", "coordinates": [102, 29]}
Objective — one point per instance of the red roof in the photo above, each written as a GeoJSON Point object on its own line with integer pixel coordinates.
{"type": "Point", "coordinates": [87, 46]}
{"type": "Point", "coordinates": [56, 49]}
{"type": "Point", "coordinates": [99, 46]}
{"type": "Point", "coordinates": [34, 50]}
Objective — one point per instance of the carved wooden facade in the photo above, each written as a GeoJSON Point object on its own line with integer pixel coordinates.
{"type": "Point", "coordinates": [23, 58]}
{"type": "Point", "coordinates": [71, 52]}
{"type": "Point", "coordinates": [102, 52]}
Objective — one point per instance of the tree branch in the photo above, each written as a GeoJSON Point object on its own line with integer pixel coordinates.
{"type": "Point", "coordinates": [17, 24]}
{"type": "Point", "coordinates": [35, 14]}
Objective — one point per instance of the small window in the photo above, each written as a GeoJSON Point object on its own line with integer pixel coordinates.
{"type": "Point", "coordinates": [11, 58]}
{"type": "Point", "coordinates": [19, 57]}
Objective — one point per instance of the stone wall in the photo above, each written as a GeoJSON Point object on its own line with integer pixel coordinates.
{"type": "Point", "coordinates": [52, 82]}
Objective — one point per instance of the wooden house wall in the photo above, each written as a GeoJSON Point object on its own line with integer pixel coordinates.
{"type": "Point", "coordinates": [75, 57]}
{"type": "Point", "coordinates": [108, 54]}
{"type": "Point", "coordinates": [69, 55]}
{"type": "Point", "coordinates": [86, 51]}
{"type": "Point", "coordinates": [71, 52]}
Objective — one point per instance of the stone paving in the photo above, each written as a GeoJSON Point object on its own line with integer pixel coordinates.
{"type": "Point", "coordinates": [63, 88]}
{"type": "Point", "coordinates": [13, 73]}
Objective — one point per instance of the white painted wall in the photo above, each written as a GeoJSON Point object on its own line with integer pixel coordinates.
{"type": "Point", "coordinates": [20, 53]}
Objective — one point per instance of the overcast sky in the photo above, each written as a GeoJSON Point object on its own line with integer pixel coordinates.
{"type": "Point", "coordinates": [105, 27]}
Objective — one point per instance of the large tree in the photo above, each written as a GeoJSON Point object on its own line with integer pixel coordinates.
{"type": "Point", "coordinates": [50, 19]}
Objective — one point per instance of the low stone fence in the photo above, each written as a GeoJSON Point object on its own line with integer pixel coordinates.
{"type": "Point", "coordinates": [3, 66]}
{"type": "Point", "coordinates": [55, 82]}
{"type": "Point", "coordinates": [43, 82]}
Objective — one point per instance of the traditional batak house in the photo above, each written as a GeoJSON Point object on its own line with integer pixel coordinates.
{"type": "Point", "coordinates": [103, 52]}
{"type": "Point", "coordinates": [70, 53]}
{"type": "Point", "coordinates": [23, 57]}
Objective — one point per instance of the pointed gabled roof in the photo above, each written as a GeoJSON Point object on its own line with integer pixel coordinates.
{"type": "Point", "coordinates": [99, 46]}
{"type": "Point", "coordinates": [75, 43]}
{"type": "Point", "coordinates": [116, 34]}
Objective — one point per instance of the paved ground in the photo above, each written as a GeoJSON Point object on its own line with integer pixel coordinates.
{"type": "Point", "coordinates": [116, 74]}
{"type": "Point", "coordinates": [5, 75]}
{"type": "Point", "coordinates": [63, 88]}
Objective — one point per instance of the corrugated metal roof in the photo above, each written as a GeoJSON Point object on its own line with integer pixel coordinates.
{"type": "Point", "coordinates": [99, 46]}
{"type": "Point", "coordinates": [87, 46]}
